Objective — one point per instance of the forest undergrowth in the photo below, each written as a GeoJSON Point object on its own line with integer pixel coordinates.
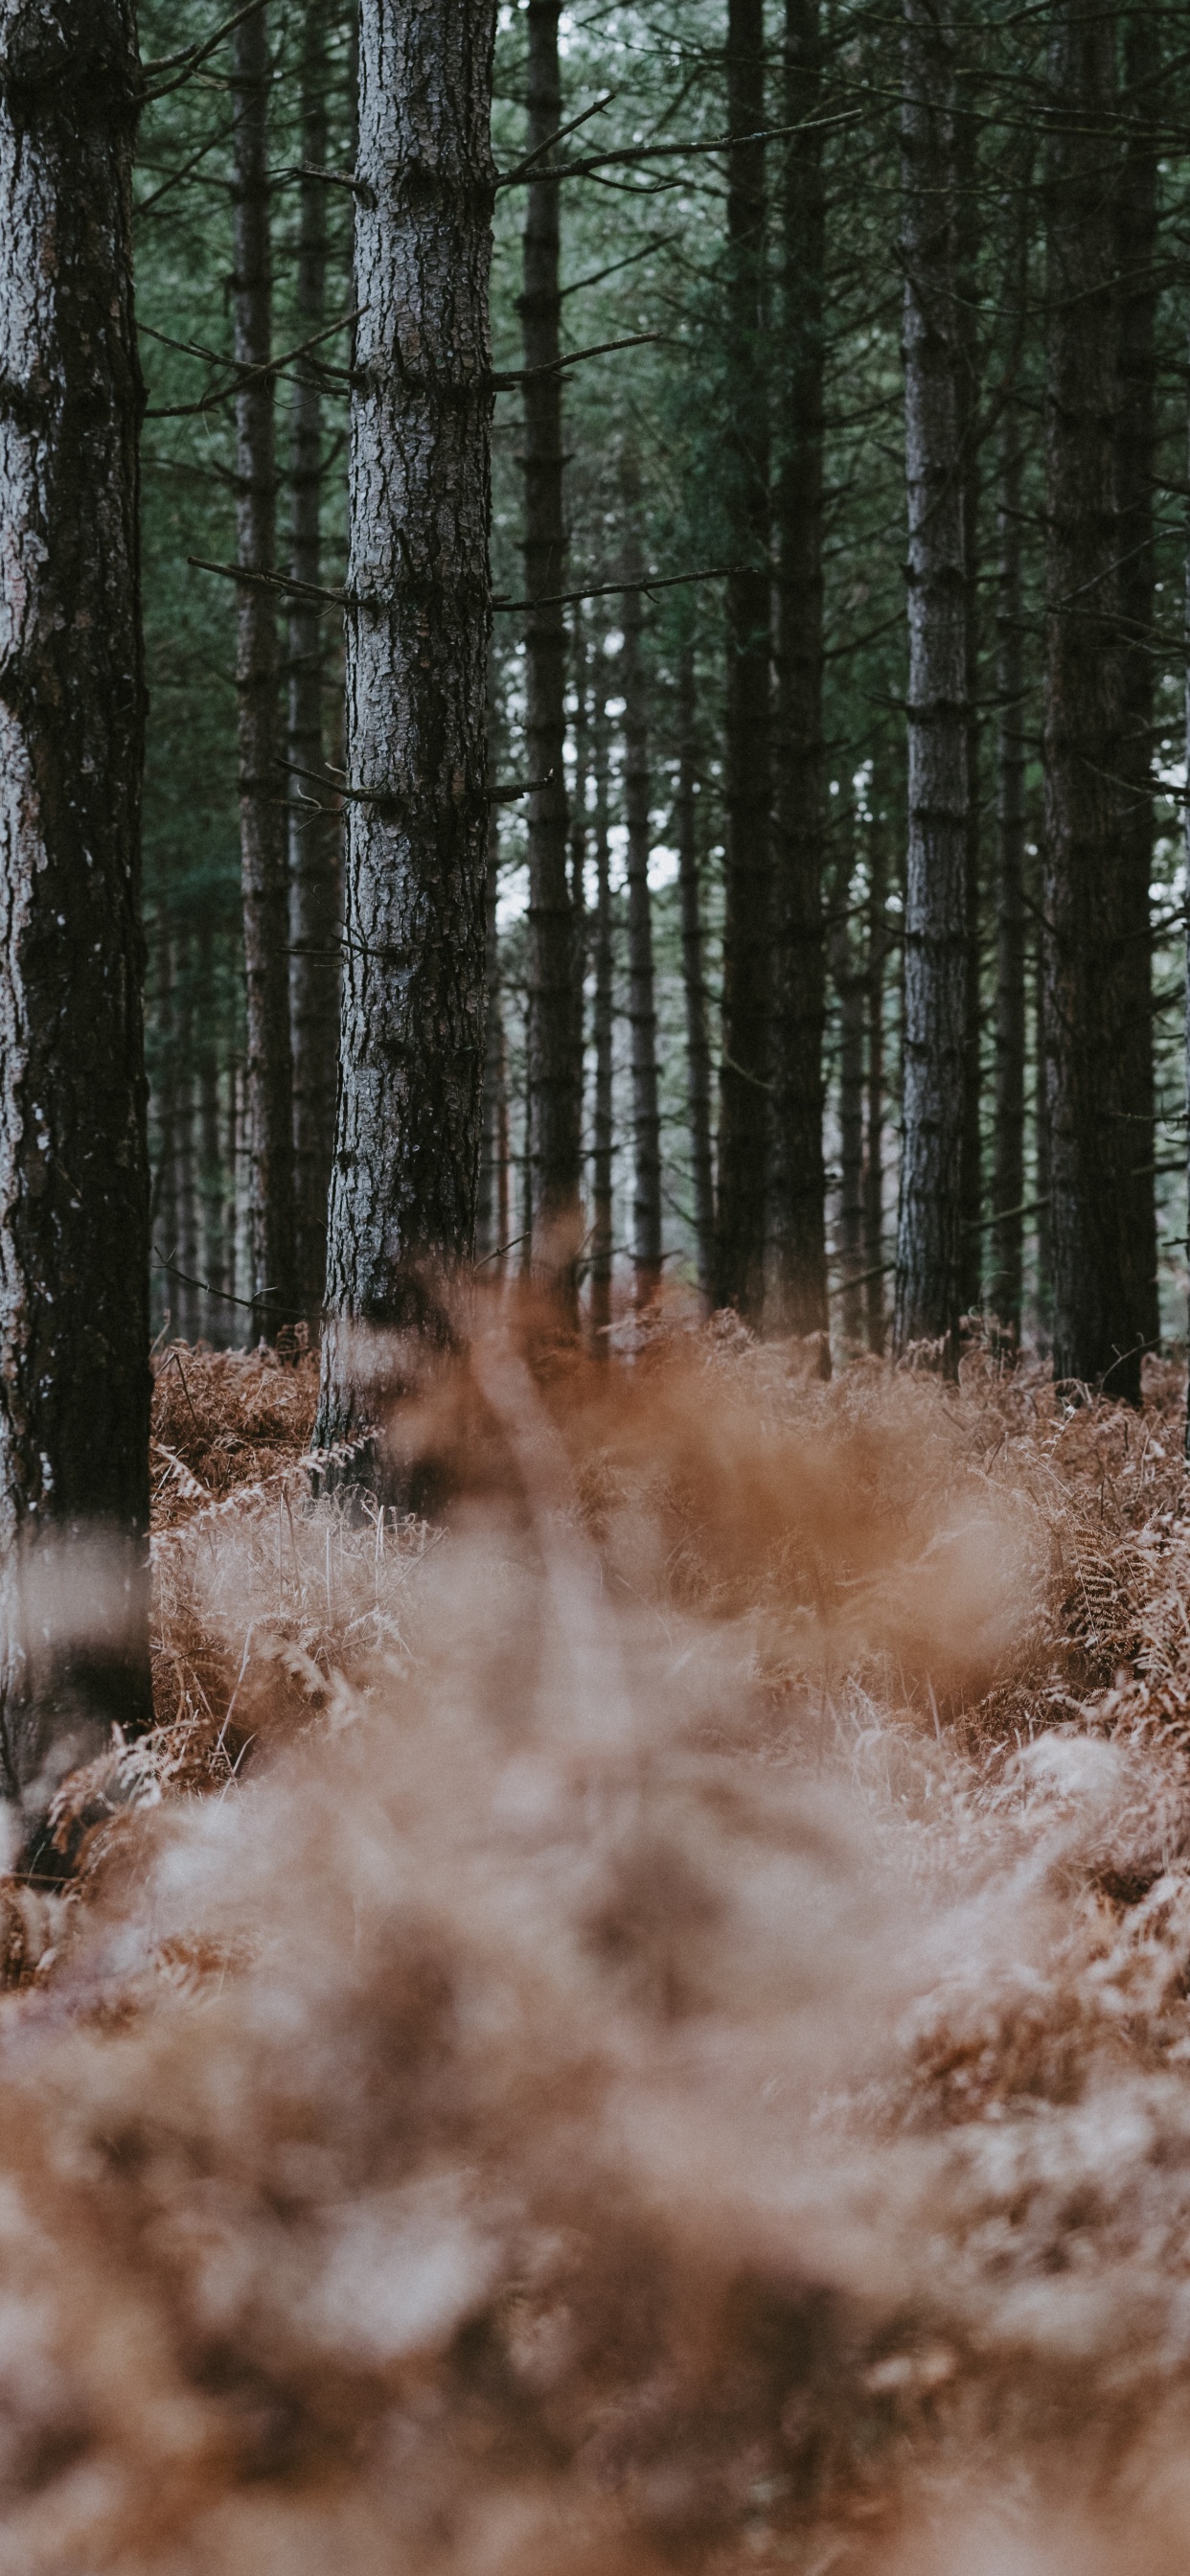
{"type": "Point", "coordinates": [633, 2017]}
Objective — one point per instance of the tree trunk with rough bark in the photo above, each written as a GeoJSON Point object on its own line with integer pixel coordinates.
{"type": "Point", "coordinates": [966, 219]}
{"type": "Point", "coordinates": [698, 1040]}
{"type": "Point", "coordinates": [74, 1195]}
{"type": "Point", "coordinates": [493, 1177]}
{"type": "Point", "coordinates": [799, 1178]}
{"type": "Point", "coordinates": [554, 1061]}
{"type": "Point", "coordinates": [642, 1003]}
{"type": "Point", "coordinates": [929, 1267]}
{"type": "Point", "coordinates": [1096, 1318]}
{"type": "Point", "coordinates": [412, 1044]}
{"type": "Point", "coordinates": [603, 1119]}
{"type": "Point", "coordinates": [1136, 393]}
{"type": "Point", "coordinates": [848, 976]}
{"type": "Point", "coordinates": [744, 1093]}
{"type": "Point", "coordinates": [874, 1140]}
{"type": "Point", "coordinates": [314, 831]}
{"type": "Point", "coordinates": [1005, 1283]}
{"type": "Point", "coordinates": [213, 1257]}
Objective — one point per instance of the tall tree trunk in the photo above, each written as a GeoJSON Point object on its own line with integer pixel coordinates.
{"type": "Point", "coordinates": [1136, 391]}
{"type": "Point", "coordinates": [698, 1041]}
{"type": "Point", "coordinates": [262, 834]}
{"type": "Point", "coordinates": [1096, 1322]}
{"type": "Point", "coordinates": [929, 1273]}
{"type": "Point", "coordinates": [849, 986]}
{"type": "Point", "coordinates": [314, 832]}
{"type": "Point", "coordinates": [554, 1064]}
{"type": "Point", "coordinates": [74, 1194]}
{"type": "Point", "coordinates": [164, 1203]}
{"type": "Point", "coordinates": [411, 1057]}
{"type": "Point", "coordinates": [971, 1241]}
{"type": "Point", "coordinates": [799, 1180]}
{"type": "Point", "coordinates": [214, 1253]}
{"type": "Point", "coordinates": [744, 1094]}
{"type": "Point", "coordinates": [642, 1006]}
{"type": "Point", "coordinates": [488, 1234]}
{"type": "Point", "coordinates": [185, 1174]}
{"type": "Point", "coordinates": [603, 1122]}
{"type": "Point", "coordinates": [1186, 852]}
{"type": "Point", "coordinates": [1043, 1303]}
{"type": "Point", "coordinates": [874, 1141]}
{"type": "Point", "coordinates": [1008, 1185]}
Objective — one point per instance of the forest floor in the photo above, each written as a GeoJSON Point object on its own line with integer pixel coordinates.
{"type": "Point", "coordinates": [640, 2020]}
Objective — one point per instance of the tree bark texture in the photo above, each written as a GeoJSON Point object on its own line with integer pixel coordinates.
{"type": "Point", "coordinates": [493, 1172]}
{"type": "Point", "coordinates": [1136, 395]}
{"type": "Point", "coordinates": [967, 222]}
{"type": "Point", "coordinates": [1096, 1319]}
{"type": "Point", "coordinates": [603, 1118]}
{"type": "Point", "coordinates": [411, 1051]}
{"type": "Point", "coordinates": [698, 1039]}
{"type": "Point", "coordinates": [848, 976]}
{"type": "Point", "coordinates": [929, 1274]}
{"type": "Point", "coordinates": [314, 832]}
{"type": "Point", "coordinates": [555, 1085]}
{"type": "Point", "coordinates": [163, 1205]}
{"type": "Point", "coordinates": [213, 1254]}
{"type": "Point", "coordinates": [642, 1004]}
{"type": "Point", "coordinates": [74, 1195]}
{"type": "Point", "coordinates": [874, 1139]}
{"type": "Point", "coordinates": [799, 1178]}
{"type": "Point", "coordinates": [744, 1095]}
{"type": "Point", "coordinates": [262, 822]}
{"type": "Point", "coordinates": [1007, 1240]}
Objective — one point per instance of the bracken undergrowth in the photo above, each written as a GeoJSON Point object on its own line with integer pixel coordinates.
{"type": "Point", "coordinates": [633, 2015]}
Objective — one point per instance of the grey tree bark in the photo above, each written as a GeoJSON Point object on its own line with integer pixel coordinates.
{"type": "Point", "coordinates": [603, 1118]}
{"type": "Point", "coordinates": [491, 1210]}
{"type": "Point", "coordinates": [799, 1178]}
{"type": "Point", "coordinates": [694, 988]}
{"type": "Point", "coordinates": [412, 1042]}
{"type": "Point", "coordinates": [555, 1085]}
{"type": "Point", "coordinates": [967, 227]}
{"type": "Point", "coordinates": [1096, 1320]}
{"type": "Point", "coordinates": [213, 1257]}
{"type": "Point", "coordinates": [642, 1003]}
{"type": "Point", "coordinates": [847, 970]}
{"type": "Point", "coordinates": [314, 831]}
{"type": "Point", "coordinates": [268, 1077]}
{"type": "Point", "coordinates": [1136, 400]}
{"type": "Point", "coordinates": [74, 1196]}
{"type": "Point", "coordinates": [744, 1095]}
{"type": "Point", "coordinates": [874, 1137]}
{"type": "Point", "coordinates": [1005, 1283]}
{"type": "Point", "coordinates": [929, 1274]}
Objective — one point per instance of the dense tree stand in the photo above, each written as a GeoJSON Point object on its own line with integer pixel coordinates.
{"type": "Point", "coordinates": [403, 1191]}
{"type": "Point", "coordinates": [74, 1375]}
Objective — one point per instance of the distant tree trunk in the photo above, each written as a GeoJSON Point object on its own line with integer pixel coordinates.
{"type": "Point", "coordinates": [1005, 1282]}
{"type": "Point", "coordinates": [1043, 1306]}
{"type": "Point", "coordinates": [492, 1200]}
{"type": "Point", "coordinates": [74, 1193]}
{"type": "Point", "coordinates": [971, 1241]}
{"type": "Point", "coordinates": [929, 1271]}
{"type": "Point", "coordinates": [799, 1179]}
{"type": "Point", "coordinates": [314, 832]}
{"type": "Point", "coordinates": [212, 1262]}
{"type": "Point", "coordinates": [603, 1123]}
{"type": "Point", "coordinates": [554, 1064]}
{"type": "Point", "coordinates": [874, 1143]}
{"type": "Point", "coordinates": [744, 1094]}
{"type": "Point", "coordinates": [411, 1057]}
{"type": "Point", "coordinates": [849, 986]}
{"type": "Point", "coordinates": [262, 833]}
{"type": "Point", "coordinates": [236, 1282]}
{"type": "Point", "coordinates": [642, 1005]}
{"type": "Point", "coordinates": [698, 1042]}
{"type": "Point", "coordinates": [1136, 392]}
{"type": "Point", "coordinates": [185, 1174]}
{"type": "Point", "coordinates": [1096, 1321]}
{"type": "Point", "coordinates": [164, 1203]}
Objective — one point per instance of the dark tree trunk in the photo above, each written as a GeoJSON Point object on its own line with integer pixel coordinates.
{"type": "Point", "coordinates": [971, 1241]}
{"type": "Point", "coordinates": [1136, 421]}
{"type": "Point", "coordinates": [314, 832]}
{"type": "Point", "coordinates": [603, 1121]}
{"type": "Point", "coordinates": [185, 1173]}
{"type": "Point", "coordinates": [213, 1256]}
{"type": "Point", "coordinates": [74, 1196]}
{"type": "Point", "coordinates": [554, 1063]}
{"type": "Point", "coordinates": [799, 1180]}
{"type": "Point", "coordinates": [262, 817]}
{"type": "Point", "coordinates": [848, 977]}
{"type": "Point", "coordinates": [1096, 1320]}
{"type": "Point", "coordinates": [874, 1143]}
{"type": "Point", "coordinates": [411, 1061]}
{"type": "Point", "coordinates": [1043, 1316]}
{"type": "Point", "coordinates": [642, 1006]}
{"type": "Point", "coordinates": [698, 1042]}
{"type": "Point", "coordinates": [744, 1095]}
{"type": "Point", "coordinates": [1008, 1185]}
{"type": "Point", "coordinates": [488, 1237]}
{"type": "Point", "coordinates": [164, 1205]}
{"type": "Point", "coordinates": [929, 1273]}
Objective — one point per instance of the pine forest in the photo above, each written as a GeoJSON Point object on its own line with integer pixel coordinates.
{"type": "Point", "coordinates": [594, 1288]}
